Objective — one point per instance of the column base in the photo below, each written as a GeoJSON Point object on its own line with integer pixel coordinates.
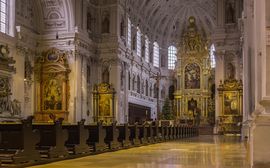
{"type": "Point", "coordinates": [260, 142]}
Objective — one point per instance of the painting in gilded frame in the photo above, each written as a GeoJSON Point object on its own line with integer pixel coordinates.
{"type": "Point", "coordinates": [192, 76]}
{"type": "Point", "coordinates": [53, 94]}
{"type": "Point", "coordinates": [231, 103]}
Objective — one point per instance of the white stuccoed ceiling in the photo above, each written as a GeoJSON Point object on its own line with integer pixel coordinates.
{"type": "Point", "coordinates": [168, 18]}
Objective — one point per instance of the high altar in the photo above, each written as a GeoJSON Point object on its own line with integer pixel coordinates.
{"type": "Point", "coordinates": [193, 71]}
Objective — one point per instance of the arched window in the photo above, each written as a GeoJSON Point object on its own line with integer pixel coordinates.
{"type": "Point", "coordinates": [129, 34]}
{"type": "Point", "coordinates": [156, 55]}
{"type": "Point", "coordinates": [172, 51]}
{"type": "Point", "coordinates": [139, 42]}
{"type": "Point", "coordinates": [4, 16]}
{"type": "Point", "coordinates": [212, 56]}
{"type": "Point", "coordinates": [146, 49]}
{"type": "Point", "coordinates": [151, 90]}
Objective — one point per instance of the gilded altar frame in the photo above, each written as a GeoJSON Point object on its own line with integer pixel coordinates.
{"type": "Point", "coordinates": [104, 103]}
{"type": "Point", "coordinates": [52, 86]}
{"type": "Point", "coordinates": [192, 73]}
{"type": "Point", "coordinates": [231, 106]}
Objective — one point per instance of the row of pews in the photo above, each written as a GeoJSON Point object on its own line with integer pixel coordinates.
{"type": "Point", "coordinates": [29, 143]}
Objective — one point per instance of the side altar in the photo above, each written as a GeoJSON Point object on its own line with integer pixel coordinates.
{"type": "Point", "coordinates": [193, 71]}
{"type": "Point", "coordinates": [231, 106]}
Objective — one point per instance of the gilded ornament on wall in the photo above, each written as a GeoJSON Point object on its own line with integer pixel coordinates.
{"type": "Point", "coordinates": [193, 72]}
{"type": "Point", "coordinates": [103, 95]}
{"type": "Point", "coordinates": [52, 86]}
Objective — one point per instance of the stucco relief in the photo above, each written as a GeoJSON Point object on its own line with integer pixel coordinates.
{"type": "Point", "coordinates": [53, 13]}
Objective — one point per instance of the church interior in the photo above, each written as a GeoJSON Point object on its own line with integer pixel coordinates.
{"type": "Point", "coordinates": [162, 83]}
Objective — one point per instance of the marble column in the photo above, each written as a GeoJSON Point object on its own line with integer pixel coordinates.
{"type": "Point", "coordinates": [260, 136]}
{"type": "Point", "coordinates": [219, 76]}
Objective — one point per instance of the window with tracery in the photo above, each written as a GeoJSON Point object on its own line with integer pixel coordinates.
{"type": "Point", "coordinates": [146, 49]}
{"type": "Point", "coordinates": [172, 51]}
{"type": "Point", "coordinates": [139, 42]}
{"type": "Point", "coordinates": [4, 16]}
{"type": "Point", "coordinates": [129, 34]}
{"type": "Point", "coordinates": [156, 55]}
{"type": "Point", "coordinates": [212, 56]}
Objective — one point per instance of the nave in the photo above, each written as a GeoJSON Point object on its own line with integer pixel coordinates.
{"type": "Point", "coordinates": [197, 152]}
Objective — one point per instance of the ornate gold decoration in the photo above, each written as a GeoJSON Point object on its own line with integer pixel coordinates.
{"type": "Point", "coordinates": [103, 95]}
{"type": "Point", "coordinates": [192, 42]}
{"type": "Point", "coordinates": [230, 111]}
{"type": "Point", "coordinates": [52, 72]}
{"type": "Point", "coordinates": [193, 72]}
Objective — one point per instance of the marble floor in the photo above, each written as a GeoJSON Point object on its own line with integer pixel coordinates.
{"type": "Point", "coordinates": [200, 152]}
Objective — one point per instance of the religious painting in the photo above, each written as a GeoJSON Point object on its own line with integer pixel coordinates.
{"type": "Point", "coordinates": [105, 105]}
{"type": "Point", "coordinates": [192, 105]}
{"type": "Point", "coordinates": [53, 95]}
{"type": "Point", "coordinates": [192, 76]}
{"type": "Point", "coordinates": [230, 103]}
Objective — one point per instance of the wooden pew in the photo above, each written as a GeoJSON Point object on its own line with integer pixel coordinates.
{"type": "Point", "coordinates": [161, 133]}
{"type": "Point", "coordinates": [18, 141]}
{"type": "Point", "coordinates": [170, 132]}
{"type": "Point", "coordinates": [178, 134]}
{"type": "Point", "coordinates": [150, 133]}
{"type": "Point", "coordinates": [173, 132]}
{"type": "Point", "coordinates": [96, 137]}
{"type": "Point", "coordinates": [77, 137]}
{"type": "Point", "coordinates": [183, 131]}
{"type": "Point", "coordinates": [124, 134]}
{"type": "Point", "coordinates": [156, 133]}
{"type": "Point", "coordinates": [52, 140]}
{"type": "Point", "coordinates": [166, 133]}
{"type": "Point", "coordinates": [143, 134]}
{"type": "Point", "coordinates": [134, 135]}
{"type": "Point", "coordinates": [112, 134]}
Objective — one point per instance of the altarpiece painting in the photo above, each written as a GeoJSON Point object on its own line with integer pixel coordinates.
{"type": "Point", "coordinates": [52, 86]}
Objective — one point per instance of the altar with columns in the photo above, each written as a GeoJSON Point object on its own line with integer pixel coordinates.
{"type": "Point", "coordinates": [193, 73]}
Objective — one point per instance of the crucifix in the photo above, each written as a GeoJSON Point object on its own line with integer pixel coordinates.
{"type": "Point", "coordinates": [158, 77]}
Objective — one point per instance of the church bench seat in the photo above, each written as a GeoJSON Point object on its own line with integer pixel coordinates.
{"type": "Point", "coordinates": [150, 134]}
{"type": "Point", "coordinates": [17, 142]}
{"type": "Point", "coordinates": [124, 134]}
{"type": "Point", "coordinates": [155, 134]}
{"type": "Point", "coordinates": [52, 140]}
{"type": "Point", "coordinates": [96, 137]}
{"type": "Point", "coordinates": [77, 137]}
{"type": "Point", "coordinates": [112, 134]}
{"type": "Point", "coordinates": [143, 134]}
{"type": "Point", "coordinates": [134, 135]}
{"type": "Point", "coordinates": [166, 133]}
